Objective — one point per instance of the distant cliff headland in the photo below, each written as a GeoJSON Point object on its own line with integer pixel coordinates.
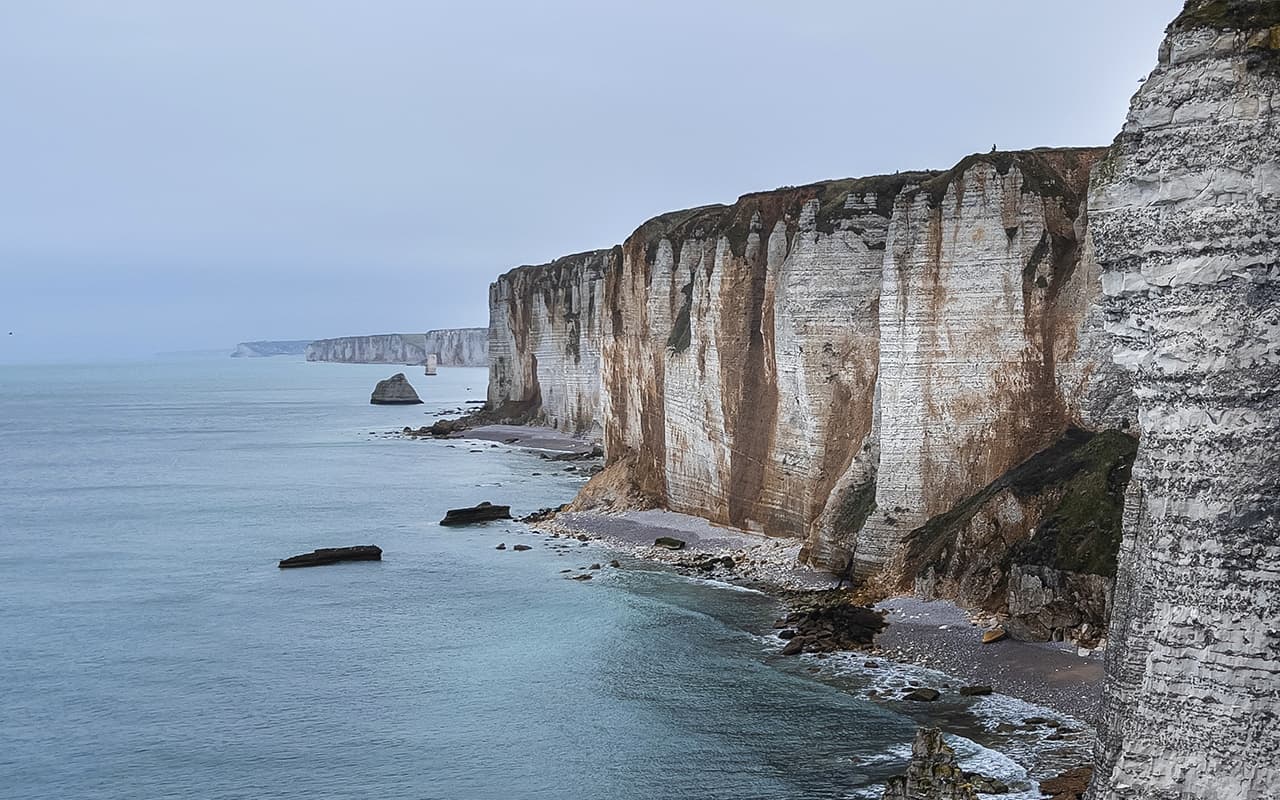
{"type": "Point", "coordinates": [264, 349]}
{"type": "Point", "coordinates": [453, 347]}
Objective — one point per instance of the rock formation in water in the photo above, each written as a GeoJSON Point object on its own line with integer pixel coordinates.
{"type": "Point", "coordinates": [394, 391]}
{"type": "Point", "coordinates": [1185, 220]}
{"type": "Point", "coordinates": [261, 349]}
{"type": "Point", "coordinates": [841, 362]}
{"type": "Point", "coordinates": [454, 347]}
{"type": "Point", "coordinates": [933, 773]}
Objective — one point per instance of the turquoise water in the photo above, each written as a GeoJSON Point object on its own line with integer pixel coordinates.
{"type": "Point", "coordinates": [152, 649]}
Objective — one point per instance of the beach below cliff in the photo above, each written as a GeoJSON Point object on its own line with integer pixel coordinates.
{"type": "Point", "coordinates": [934, 634]}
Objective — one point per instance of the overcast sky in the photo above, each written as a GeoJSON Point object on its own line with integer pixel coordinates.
{"type": "Point", "coordinates": [184, 175]}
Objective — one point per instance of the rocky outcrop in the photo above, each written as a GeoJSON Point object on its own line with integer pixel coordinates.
{"type": "Point", "coordinates": [1185, 221]}
{"type": "Point", "coordinates": [333, 555]}
{"type": "Point", "coordinates": [933, 773]}
{"type": "Point", "coordinates": [394, 391]}
{"type": "Point", "coordinates": [266, 348]}
{"type": "Point", "coordinates": [454, 347]}
{"type": "Point", "coordinates": [1038, 544]}
{"type": "Point", "coordinates": [484, 512]}
{"type": "Point", "coordinates": [546, 331]}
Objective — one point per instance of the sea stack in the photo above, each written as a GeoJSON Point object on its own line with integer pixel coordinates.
{"type": "Point", "coordinates": [394, 391]}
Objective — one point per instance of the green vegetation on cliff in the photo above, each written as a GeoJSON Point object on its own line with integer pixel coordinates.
{"type": "Point", "coordinates": [1080, 532]}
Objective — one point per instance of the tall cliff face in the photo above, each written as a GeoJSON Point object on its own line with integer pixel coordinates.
{"type": "Point", "coordinates": [844, 361]}
{"type": "Point", "coordinates": [545, 334]}
{"type": "Point", "coordinates": [454, 347]}
{"type": "Point", "coordinates": [1185, 219]}
{"type": "Point", "coordinates": [839, 362]}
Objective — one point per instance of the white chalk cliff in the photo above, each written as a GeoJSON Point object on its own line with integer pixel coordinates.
{"type": "Point", "coordinates": [454, 347]}
{"type": "Point", "coordinates": [1185, 220]}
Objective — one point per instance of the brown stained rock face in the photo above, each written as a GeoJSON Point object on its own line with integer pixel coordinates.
{"type": "Point", "coordinates": [835, 362]}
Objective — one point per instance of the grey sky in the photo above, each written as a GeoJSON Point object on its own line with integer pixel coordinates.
{"type": "Point", "coordinates": [181, 175]}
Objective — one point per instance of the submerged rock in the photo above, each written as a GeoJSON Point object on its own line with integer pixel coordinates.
{"type": "Point", "coordinates": [933, 773]}
{"type": "Point", "coordinates": [394, 391]}
{"type": "Point", "coordinates": [922, 695]}
{"type": "Point", "coordinates": [483, 512]}
{"type": "Point", "coordinates": [333, 555]}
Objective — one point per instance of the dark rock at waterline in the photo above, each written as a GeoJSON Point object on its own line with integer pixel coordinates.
{"type": "Point", "coordinates": [975, 691]}
{"type": "Point", "coordinates": [333, 555]}
{"type": "Point", "coordinates": [501, 546]}
{"type": "Point", "coordinates": [520, 548]}
{"type": "Point", "coordinates": [786, 634]}
{"type": "Point", "coordinates": [586, 576]}
{"type": "Point", "coordinates": [484, 512]}
{"type": "Point", "coordinates": [669, 542]}
{"type": "Point", "coordinates": [1070, 785]}
{"type": "Point", "coordinates": [394, 391]}
{"type": "Point", "coordinates": [831, 621]}
{"type": "Point", "coordinates": [543, 514]}
{"type": "Point", "coordinates": [795, 646]}
{"type": "Point", "coordinates": [922, 695]}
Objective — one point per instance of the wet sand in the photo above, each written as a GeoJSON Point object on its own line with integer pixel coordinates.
{"type": "Point", "coordinates": [527, 436]}
{"type": "Point", "coordinates": [939, 635]}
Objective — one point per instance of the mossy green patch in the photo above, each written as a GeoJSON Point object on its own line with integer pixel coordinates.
{"type": "Point", "coordinates": [1054, 172]}
{"type": "Point", "coordinates": [1081, 533]}
{"type": "Point", "coordinates": [1239, 15]}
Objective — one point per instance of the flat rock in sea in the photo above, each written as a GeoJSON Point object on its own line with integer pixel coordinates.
{"type": "Point", "coordinates": [480, 513]}
{"type": "Point", "coordinates": [394, 391]}
{"type": "Point", "coordinates": [333, 555]}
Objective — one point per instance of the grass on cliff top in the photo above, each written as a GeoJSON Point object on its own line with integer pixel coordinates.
{"type": "Point", "coordinates": [1061, 172]}
{"type": "Point", "coordinates": [1240, 15]}
{"type": "Point", "coordinates": [1082, 532]}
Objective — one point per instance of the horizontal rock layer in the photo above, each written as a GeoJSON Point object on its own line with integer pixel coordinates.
{"type": "Point", "coordinates": [454, 347]}
{"type": "Point", "coordinates": [1185, 221]}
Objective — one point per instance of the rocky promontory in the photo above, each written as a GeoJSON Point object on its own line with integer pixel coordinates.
{"type": "Point", "coordinates": [262, 349]}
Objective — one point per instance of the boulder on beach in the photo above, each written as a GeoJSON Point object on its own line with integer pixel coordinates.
{"type": "Point", "coordinates": [333, 555]}
{"type": "Point", "coordinates": [993, 635]}
{"type": "Point", "coordinates": [669, 542]}
{"type": "Point", "coordinates": [394, 391]}
{"type": "Point", "coordinates": [483, 512]}
{"type": "Point", "coordinates": [975, 691]}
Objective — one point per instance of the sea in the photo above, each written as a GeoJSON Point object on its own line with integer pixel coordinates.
{"type": "Point", "coordinates": [151, 648]}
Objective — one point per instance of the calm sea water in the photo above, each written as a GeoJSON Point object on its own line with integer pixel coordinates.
{"type": "Point", "coordinates": [150, 648]}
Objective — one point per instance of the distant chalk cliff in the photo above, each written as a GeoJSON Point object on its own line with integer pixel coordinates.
{"type": "Point", "coordinates": [454, 347]}
{"type": "Point", "coordinates": [293, 347]}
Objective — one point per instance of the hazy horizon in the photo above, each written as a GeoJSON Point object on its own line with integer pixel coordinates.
{"type": "Point", "coordinates": [185, 177]}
